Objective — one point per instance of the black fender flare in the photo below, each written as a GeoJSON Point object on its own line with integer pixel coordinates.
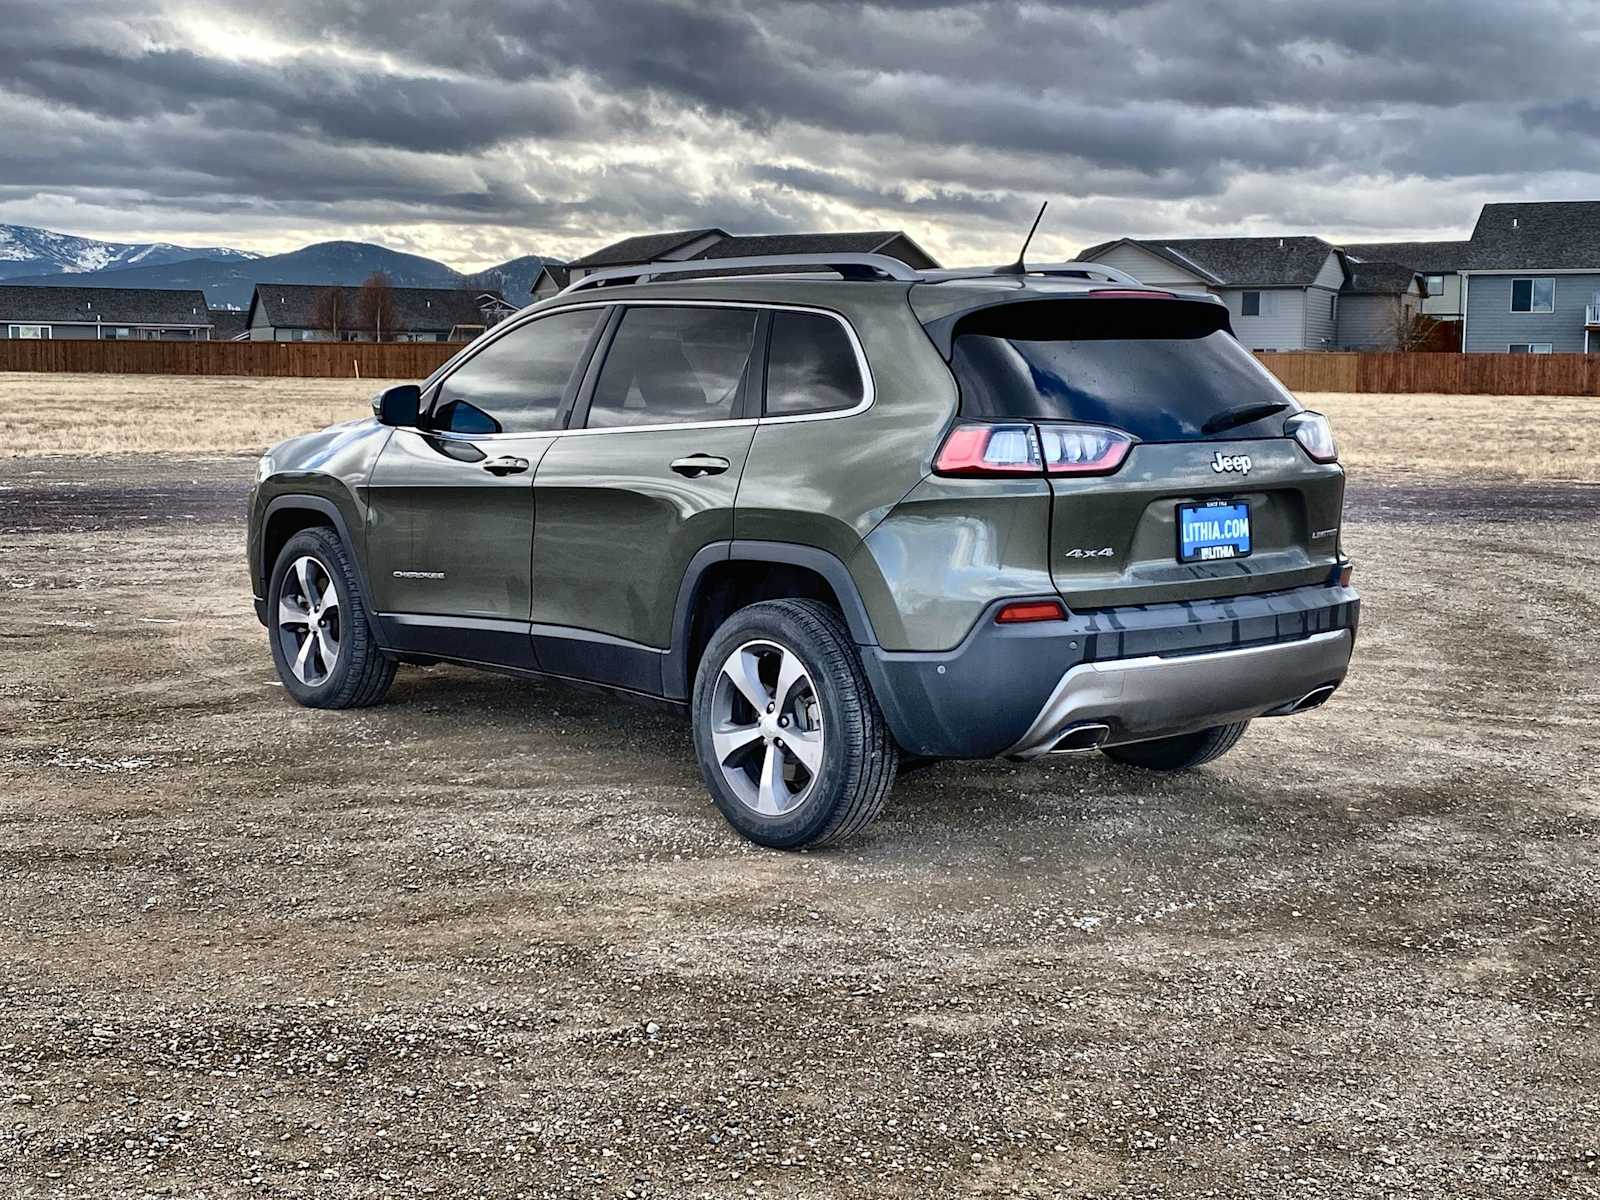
{"type": "Point", "coordinates": [677, 671]}
{"type": "Point", "coordinates": [304, 502]}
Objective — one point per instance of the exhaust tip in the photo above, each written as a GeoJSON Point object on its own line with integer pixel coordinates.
{"type": "Point", "coordinates": [1313, 699]}
{"type": "Point", "coordinates": [1081, 738]}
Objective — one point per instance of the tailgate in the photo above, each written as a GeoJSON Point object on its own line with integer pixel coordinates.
{"type": "Point", "coordinates": [1114, 540]}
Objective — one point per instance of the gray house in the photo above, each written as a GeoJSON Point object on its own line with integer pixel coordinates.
{"type": "Point", "coordinates": [1439, 264]}
{"type": "Point", "coordinates": [551, 279]}
{"type": "Point", "coordinates": [1531, 284]}
{"type": "Point", "coordinates": [297, 312]}
{"type": "Point", "coordinates": [1283, 292]}
{"type": "Point", "coordinates": [1378, 305]}
{"type": "Point", "coordinates": [103, 314]}
{"type": "Point", "coordinates": [645, 248]}
{"type": "Point", "coordinates": [717, 243]}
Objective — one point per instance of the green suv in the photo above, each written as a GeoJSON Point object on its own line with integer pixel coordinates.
{"type": "Point", "coordinates": [847, 514]}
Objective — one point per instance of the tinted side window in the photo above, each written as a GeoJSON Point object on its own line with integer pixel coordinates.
{"type": "Point", "coordinates": [667, 366]}
{"type": "Point", "coordinates": [515, 384]}
{"type": "Point", "coordinates": [811, 366]}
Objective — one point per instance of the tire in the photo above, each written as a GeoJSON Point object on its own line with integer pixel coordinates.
{"type": "Point", "coordinates": [827, 708]}
{"type": "Point", "coordinates": [343, 666]}
{"type": "Point", "coordinates": [1181, 752]}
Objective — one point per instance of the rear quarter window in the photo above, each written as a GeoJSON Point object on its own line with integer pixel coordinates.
{"type": "Point", "coordinates": [1157, 369]}
{"type": "Point", "coordinates": [811, 366]}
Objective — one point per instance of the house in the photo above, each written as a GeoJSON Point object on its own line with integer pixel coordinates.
{"type": "Point", "coordinates": [300, 312]}
{"type": "Point", "coordinates": [646, 248]}
{"type": "Point", "coordinates": [104, 314]}
{"type": "Point", "coordinates": [1379, 305]}
{"type": "Point", "coordinates": [1531, 281]}
{"type": "Point", "coordinates": [1439, 264]}
{"type": "Point", "coordinates": [1282, 292]}
{"type": "Point", "coordinates": [551, 279]}
{"type": "Point", "coordinates": [229, 325]}
{"type": "Point", "coordinates": [717, 243]}
{"type": "Point", "coordinates": [892, 242]}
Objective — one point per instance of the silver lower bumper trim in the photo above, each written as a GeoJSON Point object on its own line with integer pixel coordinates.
{"type": "Point", "coordinates": [1142, 698]}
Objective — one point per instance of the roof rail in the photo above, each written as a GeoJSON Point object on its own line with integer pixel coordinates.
{"type": "Point", "coordinates": [850, 266]}
{"type": "Point", "coordinates": [1060, 270]}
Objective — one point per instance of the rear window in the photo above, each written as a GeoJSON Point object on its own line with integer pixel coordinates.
{"type": "Point", "coordinates": [1158, 369]}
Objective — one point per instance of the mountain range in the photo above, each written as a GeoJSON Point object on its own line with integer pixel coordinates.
{"type": "Point", "coordinates": [43, 257]}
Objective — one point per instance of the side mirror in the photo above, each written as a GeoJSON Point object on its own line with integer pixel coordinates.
{"type": "Point", "coordinates": [398, 405]}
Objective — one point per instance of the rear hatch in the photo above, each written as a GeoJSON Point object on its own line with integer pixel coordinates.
{"type": "Point", "coordinates": [1172, 462]}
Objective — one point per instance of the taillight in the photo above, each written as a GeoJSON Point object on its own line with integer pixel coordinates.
{"type": "Point", "coordinates": [1083, 449]}
{"type": "Point", "coordinates": [1315, 435]}
{"type": "Point", "coordinates": [1030, 610]}
{"type": "Point", "coordinates": [1015, 449]}
{"type": "Point", "coordinates": [989, 450]}
{"type": "Point", "coordinates": [1128, 294]}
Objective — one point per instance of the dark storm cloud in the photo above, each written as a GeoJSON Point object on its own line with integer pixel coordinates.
{"type": "Point", "coordinates": [573, 120]}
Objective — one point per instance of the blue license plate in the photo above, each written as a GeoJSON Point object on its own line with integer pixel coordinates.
{"type": "Point", "coordinates": [1207, 532]}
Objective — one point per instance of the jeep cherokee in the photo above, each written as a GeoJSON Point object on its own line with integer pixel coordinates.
{"type": "Point", "coordinates": [845, 513]}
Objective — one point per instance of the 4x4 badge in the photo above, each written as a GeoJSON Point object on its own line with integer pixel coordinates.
{"type": "Point", "coordinates": [1080, 552]}
{"type": "Point", "coordinates": [1221, 462]}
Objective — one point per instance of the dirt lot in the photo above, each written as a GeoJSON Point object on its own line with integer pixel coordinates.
{"type": "Point", "coordinates": [491, 938]}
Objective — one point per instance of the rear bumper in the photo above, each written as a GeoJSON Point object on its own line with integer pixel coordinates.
{"type": "Point", "coordinates": [1139, 698]}
{"type": "Point", "coordinates": [1145, 671]}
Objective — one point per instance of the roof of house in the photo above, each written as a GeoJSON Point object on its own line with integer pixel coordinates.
{"type": "Point", "coordinates": [886, 241]}
{"type": "Point", "coordinates": [293, 305]}
{"type": "Point", "coordinates": [1366, 277]}
{"type": "Point", "coordinates": [643, 248]}
{"type": "Point", "coordinates": [1554, 235]}
{"type": "Point", "coordinates": [1431, 258]}
{"type": "Point", "coordinates": [560, 274]}
{"type": "Point", "coordinates": [1236, 262]}
{"type": "Point", "coordinates": [228, 323]}
{"type": "Point", "coordinates": [123, 306]}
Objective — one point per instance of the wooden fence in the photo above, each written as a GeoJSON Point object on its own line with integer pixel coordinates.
{"type": "Point", "coordinates": [306, 360]}
{"type": "Point", "coordinates": [1336, 371]}
{"type": "Point", "coordinates": [1452, 374]}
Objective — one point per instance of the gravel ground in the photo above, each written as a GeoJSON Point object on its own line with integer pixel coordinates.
{"type": "Point", "coordinates": [491, 938]}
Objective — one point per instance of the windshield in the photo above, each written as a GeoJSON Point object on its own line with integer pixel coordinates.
{"type": "Point", "coordinates": [1158, 369]}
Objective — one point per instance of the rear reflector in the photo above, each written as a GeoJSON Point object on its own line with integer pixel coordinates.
{"type": "Point", "coordinates": [1344, 574]}
{"type": "Point", "coordinates": [1030, 610]}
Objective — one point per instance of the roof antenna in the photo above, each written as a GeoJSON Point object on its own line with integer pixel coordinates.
{"type": "Point", "coordinates": [1019, 267]}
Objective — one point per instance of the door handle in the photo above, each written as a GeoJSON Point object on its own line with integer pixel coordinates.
{"type": "Point", "coordinates": [506, 465]}
{"type": "Point", "coordinates": [697, 465]}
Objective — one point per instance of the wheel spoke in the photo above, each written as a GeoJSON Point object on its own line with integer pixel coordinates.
{"type": "Point", "coordinates": [805, 746]}
{"type": "Point", "coordinates": [773, 793]}
{"type": "Point", "coordinates": [329, 637]}
{"type": "Point", "coordinates": [730, 739]}
{"type": "Point", "coordinates": [302, 661]}
{"type": "Point", "coordinates": [790, 672]}
{"type": "Point", "coordinates": [329, 599]}
{"type": "Point", "coordinates": [290, 615]}
{"type": "Point", "coordinates": [741, 670]}
{"type": "Point", "coordinates": [303, 575]}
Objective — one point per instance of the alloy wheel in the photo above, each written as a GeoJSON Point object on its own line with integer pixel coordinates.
{"type": "Point", "coordinates": [766, 728]}
{"type": "Point", "coordinates": [309, 621]}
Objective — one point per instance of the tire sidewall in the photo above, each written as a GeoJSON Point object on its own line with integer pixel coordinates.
{"type": "Point", "coordinates": [309, 545]}
{"type": "Point", "coordinates": [813, 818]}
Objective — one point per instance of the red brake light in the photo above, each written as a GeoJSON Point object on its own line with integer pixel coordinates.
{"type": "Point", "coordinates": [1083, 449]}
{"type": "Point", "coordinates": [1128, 294]}
{"type": "Point", "coordinates": [1030, 610]}
{"type": "Point", "coordinates": [989, 450]}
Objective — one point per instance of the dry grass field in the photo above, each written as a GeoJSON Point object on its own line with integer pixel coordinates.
{"type": "Point", "coordinates": [1515, 437]}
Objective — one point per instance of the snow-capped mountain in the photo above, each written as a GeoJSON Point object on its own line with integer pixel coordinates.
{"type": "Point", "coordinates": [28, 251]}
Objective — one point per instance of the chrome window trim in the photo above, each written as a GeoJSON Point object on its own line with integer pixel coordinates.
{"type": "Point", "coordinates": [869, 390]}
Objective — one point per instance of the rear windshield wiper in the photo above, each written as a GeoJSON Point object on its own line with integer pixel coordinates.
{"type": "Point", "coordinates": [1230, 418]}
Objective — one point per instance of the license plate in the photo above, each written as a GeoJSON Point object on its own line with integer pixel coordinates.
{"type": "Point", "coordinates": [1207, 532]}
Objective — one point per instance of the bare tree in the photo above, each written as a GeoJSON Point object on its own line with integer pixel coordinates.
{"type": "Point", "coordinates": [1412, 330]}
{"type": "Point", "coordinates": [379, 312]}
{"type": "Point", "coordinates": [334, 312]}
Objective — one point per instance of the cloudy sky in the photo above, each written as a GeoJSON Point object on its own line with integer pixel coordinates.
{"type": "Point", "coordinates": [476, 132]}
